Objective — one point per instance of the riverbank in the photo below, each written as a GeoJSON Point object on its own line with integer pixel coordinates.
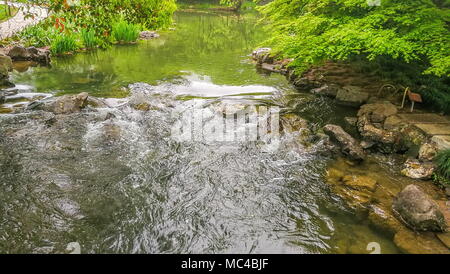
{"type": "Point", "coordinates": [382, 128]}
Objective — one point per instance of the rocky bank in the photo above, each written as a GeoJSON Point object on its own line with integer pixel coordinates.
{"type": "Point", "coordinates": [412, 210]}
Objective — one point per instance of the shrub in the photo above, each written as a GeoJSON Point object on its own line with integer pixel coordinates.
{"type": "Point", "coordinates": [314, 31]}
{"type": "Point", "coordinates": [443, 163]}
{"type": "Point", "coordinates": [124, 32]}
{"type": "Point", "coordinates": [64, 43]}
{"type": "Point", "coordinates": [38, 35]}
{"type": "Point", "coordinates": [89, 39]}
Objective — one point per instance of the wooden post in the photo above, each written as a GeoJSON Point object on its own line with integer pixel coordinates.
{"type": "Point", "coordinates": [404, 97]}
{"type": "Point", "coordinates": [412, 106]}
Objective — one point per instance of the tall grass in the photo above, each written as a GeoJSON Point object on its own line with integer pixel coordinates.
{"type": "Point", "coordinates": [124, 32]}
{"type": "Point", "coordinates": [89, 39]}
{"type": "Point", "coordinates": [64, 43]}
{"type": "Point", "coordinates": [443, 163]}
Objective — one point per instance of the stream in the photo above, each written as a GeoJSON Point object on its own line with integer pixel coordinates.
{"type": "Point", "coordinates": [123, 185]}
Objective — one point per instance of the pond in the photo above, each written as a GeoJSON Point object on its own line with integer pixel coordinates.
{"type": "Point", "coordinates": [145, 193]}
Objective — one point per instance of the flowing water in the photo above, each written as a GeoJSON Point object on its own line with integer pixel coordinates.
{"type": "Point", "coordinates": [124, 185]}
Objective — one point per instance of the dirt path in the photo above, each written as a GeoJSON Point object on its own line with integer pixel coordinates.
{"type": "Point", "coordinates": [19, 21]}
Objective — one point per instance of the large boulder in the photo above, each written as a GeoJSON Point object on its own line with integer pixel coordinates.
{"type": "Point", "coordinates": [418, 211]}
{"type": "Point", "coordinates": [147, 35]}
{"type": "Point", "coordinates": [377, 112]}
{"type": "Point", "coordinates": [349, 146]}
{"type": "Point", "coordinates": [20, 53]}
{"type": "Point", "coordinates": [351, 96]}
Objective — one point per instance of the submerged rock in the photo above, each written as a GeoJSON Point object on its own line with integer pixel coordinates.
{"type": "Point", "coordinates": [417, 210]}
{"type": "Point", "coordinates": [327, 90]}
{"type": "Point", "coordinates": [361, 183]}
{"type": "Point", "coordinates": [147, 35]}
{"type": "Point", "coordinates": [418, 170]}
{"type": "Point", "coordinates": [419, 243]}
{"type": "Point", "coordinates": [349, 146]}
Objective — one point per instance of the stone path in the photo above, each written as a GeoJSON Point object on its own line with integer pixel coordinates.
{"type": "Point", "coordinates": [435, 126]}
{"type": "Point", "coordinates": [19, 22]}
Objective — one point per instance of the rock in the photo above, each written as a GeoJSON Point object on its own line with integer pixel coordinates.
{"type": "Point", "coordinates": [351, 121]}
{"type": "Point", "coordinates": [293, 123]}
{"type": "Point", "coordinates": [377, 112]}
{"type": "Point", "coordinates": [271, 67]}
{"type": "Point", "coordinates": [20, 53]}
{"type": "Point", "coordinates": [442, 142]}
{"type": "Point", "coordinates": [348, 144]}
{"type": "Point", "coordinates": [73, 248]}
{"type": "Point", "coordinates": [418, 170]}
{"type": "Point", "coordinates": [2, 98]}
{"type": "Point", "coordinates": [96, 102]}
{"type": "Point", "coordinates": [447, 191]}
{"type": "Point", "coordinates": [64, 104]}
{"type": "Point", "coordinates": [360, 183]}
{"type": "Point", "coordinates": [147, 35]}
{"type": "Point", "coordinates": [392, 122]}
{"type": "Point", "coordinates": [327, 90]}
{"type": "Point", "coordinates": [418, 211]}
{"type": "Point", "coordinates": [367, 144]}
{"type": "Point", "coordinates": [351, 96]}
{"type": "Point", "coordinates": [419, 243]}
{"type": "Point", "coordinates": [5, 68]}
{"type": "Point", "coordinates": [427, 152]}
{"type": "Point", "coordinates": [6, 61]}
{"type": "Point", "coordinates": [39, 55]}
{"type": "Point", "coordinates": [384, 220]}
{"type": "Point", "coordinates": [444, 238]}
{"type": "Point", "coordinates": [262, 55]}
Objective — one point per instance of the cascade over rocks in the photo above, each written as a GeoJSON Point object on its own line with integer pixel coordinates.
{"type": "Point", "coordinates": [62, 105]}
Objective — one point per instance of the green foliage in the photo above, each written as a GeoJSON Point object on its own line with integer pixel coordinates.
{"type": "Point", "coordinates": [64, 43]}
{"type": "Point", "coordinates": [100, 16]}
{"type": "Point", "coordinates": [312, 31]}
{"type": "Point", "coordinates": [38, 35]}
{"type": "Point", "coordinates": [236, 4]}
{"type": "Point", "coordinates": [89, 39]}
{"type": "Point", "coordinates": [443, 163]}
{"type": "Point", "coordinates": [124, 32]}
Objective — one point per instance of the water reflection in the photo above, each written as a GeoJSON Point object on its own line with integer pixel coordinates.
{"type": "Point", "coordinates": [203, 44]}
